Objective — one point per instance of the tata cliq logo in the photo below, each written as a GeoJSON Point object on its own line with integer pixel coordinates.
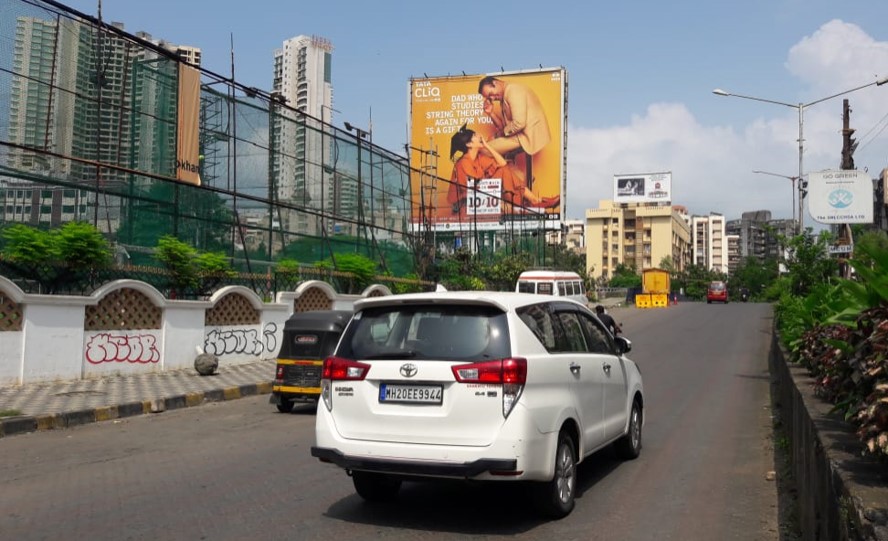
{"type": "Point", "coordinates": [840, 199]}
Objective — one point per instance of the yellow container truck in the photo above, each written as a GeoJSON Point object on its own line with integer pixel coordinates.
{"type": "Point", "coordinates": [655, 286]}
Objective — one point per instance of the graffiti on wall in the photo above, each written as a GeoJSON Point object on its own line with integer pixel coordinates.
{"type": "Point", "coordinates": [122, 348]}
{"type": "Point", "coordinates": [241, 341]}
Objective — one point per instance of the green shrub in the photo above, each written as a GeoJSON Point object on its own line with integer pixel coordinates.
{"type": "Point", "coordinates": [287, 266]}
{"type": "Point", "coordinates": [361, 268]}
{"type": "Point", "coordinates": [59, 258]}
{"type": "Point", "coordinates": [191, 271]}
{"type": "Point", "coordinates": [839, 331]}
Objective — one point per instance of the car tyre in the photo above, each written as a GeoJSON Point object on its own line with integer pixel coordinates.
{"type": "Point", "coordinates": [629, 446]}
{"type": "Point", "coordinates": [286, 406]}
{"type": "Point", "coordinates": [556, 498]}
{"type": "Point", "coordinates": [376, 487]}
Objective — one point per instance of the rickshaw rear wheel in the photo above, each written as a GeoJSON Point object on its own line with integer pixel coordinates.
{"type": "Point", "coordinates": [286, 406]}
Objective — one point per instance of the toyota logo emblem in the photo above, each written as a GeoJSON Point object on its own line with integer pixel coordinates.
{"type": "Point", "coordinates": [408, 370]}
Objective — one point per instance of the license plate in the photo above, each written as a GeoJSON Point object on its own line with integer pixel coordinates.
{"type": "Point", "coordinates": [411, 394]}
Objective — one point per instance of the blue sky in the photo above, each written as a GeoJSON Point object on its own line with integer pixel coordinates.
{"type": "Point", "coordinates": [641, 75]}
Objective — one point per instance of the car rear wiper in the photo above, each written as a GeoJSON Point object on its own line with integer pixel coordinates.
{"type": "Point", "coordinates": [395, 354]}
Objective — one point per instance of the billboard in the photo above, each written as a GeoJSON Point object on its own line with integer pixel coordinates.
{"type": "Point", "coordinates": [487, 156]}
{"type": "Point", "coordinates": [643, 188]}
{"type": "Point", "coordinates": [188, 129]}
{"type": "Point", "coordinates": [840, 197]}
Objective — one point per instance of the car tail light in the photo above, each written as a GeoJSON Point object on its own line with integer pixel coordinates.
{"type": "Point", "coordinates": [340, 369]}
{"type": "Point", "coordinates": [510, 373]}
{"type": "Point", "coordinates": [279, 375]}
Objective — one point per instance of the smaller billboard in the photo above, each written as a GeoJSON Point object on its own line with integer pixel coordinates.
{"type": "Point", "coordinates": [840, 197]}
{"type": "Point", "coordinates": [643, 188]}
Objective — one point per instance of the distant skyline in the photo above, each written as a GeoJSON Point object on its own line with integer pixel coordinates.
{"type": "Point", "coordinates": [641, 76]}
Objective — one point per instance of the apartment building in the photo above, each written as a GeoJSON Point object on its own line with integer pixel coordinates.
{"type": "Point", "coordinates": [759, 235]}
{"type": "Point", "coordinates": [709, 247]}
{"type": "Point", "coordinates": [641, 235]}
{"type": "Point", "coordinates": [303, 81]}
{"type": "Point", "coordinates": [734, 257]}
{"type": "Point", "coordinates": [58, 103]}
{"type": "Point", "coordinates": [572, 235]}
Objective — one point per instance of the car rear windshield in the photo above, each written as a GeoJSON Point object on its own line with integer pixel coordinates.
{"type": "Point", "coordinates": [716, 286]}
{"type": "Point", "coordinates": [435, 331]}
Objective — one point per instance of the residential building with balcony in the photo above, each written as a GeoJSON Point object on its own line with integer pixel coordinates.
{"type": "Point", "coordinates": [759, 234]}
{"type": "Point", "coordinates": [639, 235]}
{"type": "Point", "coordinates": [300, 149]}
{"type": "Point", "coordinates": [708, 244]}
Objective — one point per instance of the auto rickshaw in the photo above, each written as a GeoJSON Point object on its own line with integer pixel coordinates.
{"type": "Point", "coordinates": [309, 338]}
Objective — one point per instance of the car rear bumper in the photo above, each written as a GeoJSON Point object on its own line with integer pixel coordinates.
{"type": "Point", "coordinates": [516, 452]}
{"type": "Point", "coordinates": [464, 470]}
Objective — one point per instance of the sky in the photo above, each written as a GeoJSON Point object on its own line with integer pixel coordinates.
{"type": "Point", "coordinates": [640, 76]}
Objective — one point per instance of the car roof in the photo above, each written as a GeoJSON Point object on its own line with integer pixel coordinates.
{"type": "Point", "coordinates": [544, 274]}
{"type": "Point", "coordinates": [504, 300]}
{"type": "Point", "coordinates": [318, 320]}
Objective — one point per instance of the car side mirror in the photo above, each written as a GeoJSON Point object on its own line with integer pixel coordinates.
{"type": "Point", "coordinates": [623, 344]}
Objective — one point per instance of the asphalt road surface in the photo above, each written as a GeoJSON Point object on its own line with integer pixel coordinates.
{"type": "Point", "coordinates": [240, 470]}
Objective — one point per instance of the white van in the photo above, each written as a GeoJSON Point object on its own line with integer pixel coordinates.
{"type": "Point", "coordinates": [557, 283]}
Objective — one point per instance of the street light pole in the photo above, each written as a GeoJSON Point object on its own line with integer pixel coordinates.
{"type": "Point", "coordinates": [793, 179]}
{"type": "Point", "coordinates": [800, 107]}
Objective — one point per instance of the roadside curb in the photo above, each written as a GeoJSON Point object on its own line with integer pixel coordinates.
{"type": "Point", "coordinates": [22, 424]}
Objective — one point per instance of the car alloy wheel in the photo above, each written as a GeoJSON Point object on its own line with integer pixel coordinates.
{"type": "Point", "coordinates": [556, 498]}
{"type": "Point", "coordinates": [629, 446]}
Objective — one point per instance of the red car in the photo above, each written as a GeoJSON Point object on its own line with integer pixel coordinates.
{"type": "Point", "coordinates": [718, 291]}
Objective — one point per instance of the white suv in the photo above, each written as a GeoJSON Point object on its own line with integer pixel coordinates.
{"type": "Point", "coordinates": [476, 385]}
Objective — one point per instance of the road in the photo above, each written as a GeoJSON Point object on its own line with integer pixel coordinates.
{"type": "Point", "coordinates": [240, 470]}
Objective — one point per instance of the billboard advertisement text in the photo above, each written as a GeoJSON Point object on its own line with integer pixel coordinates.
{"type": "Point", "coordinates": [840, 197]}
{"type": "Point", "coordinates": [487, 151]}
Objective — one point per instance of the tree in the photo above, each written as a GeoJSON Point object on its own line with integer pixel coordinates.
{"type": "Point", "coordinates": [754, 275]}
{"type": "Point", "coordinates": [190, 270]}
{"type": "Point", "coordinates": [56, 259]}
{"type": "Point", "coordinates": [362, 268]}
{"type": "Point", "coordinates": [667, 265]}
{"type": "Point", "coordinates": [625, 276]}
{"type": "Point", "coordinates": [694, 280]}
{"type": "Point", "coordinates": [808, 262]}
{"type": "Point", "coordinates": [502, 273]}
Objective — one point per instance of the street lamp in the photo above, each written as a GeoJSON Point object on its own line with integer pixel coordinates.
{"type": "Point", "coordinates": [325, 107]}
{"type": "Point", "coordinates": [800, 107]}
{"type": "Point", "coordinates": [793, 179]}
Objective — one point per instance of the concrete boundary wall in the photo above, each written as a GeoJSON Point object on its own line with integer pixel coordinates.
{"type": "Point", "coordinates": [54, 342]}
{"type": "Point", "coordinates": [842, 495]}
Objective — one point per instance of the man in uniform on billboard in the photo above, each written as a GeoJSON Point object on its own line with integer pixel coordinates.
{"type": "Point", "coordinates": [520, 122]}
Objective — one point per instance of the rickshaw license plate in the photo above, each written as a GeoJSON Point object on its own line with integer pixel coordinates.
{"type": "Point", "coordinates": [411, 394]}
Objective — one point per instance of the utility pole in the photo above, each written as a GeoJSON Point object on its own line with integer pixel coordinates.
{"type": "Point", "coordinates": [848, 142]}
{"type": "Point", "coordinates": [848, 146]}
